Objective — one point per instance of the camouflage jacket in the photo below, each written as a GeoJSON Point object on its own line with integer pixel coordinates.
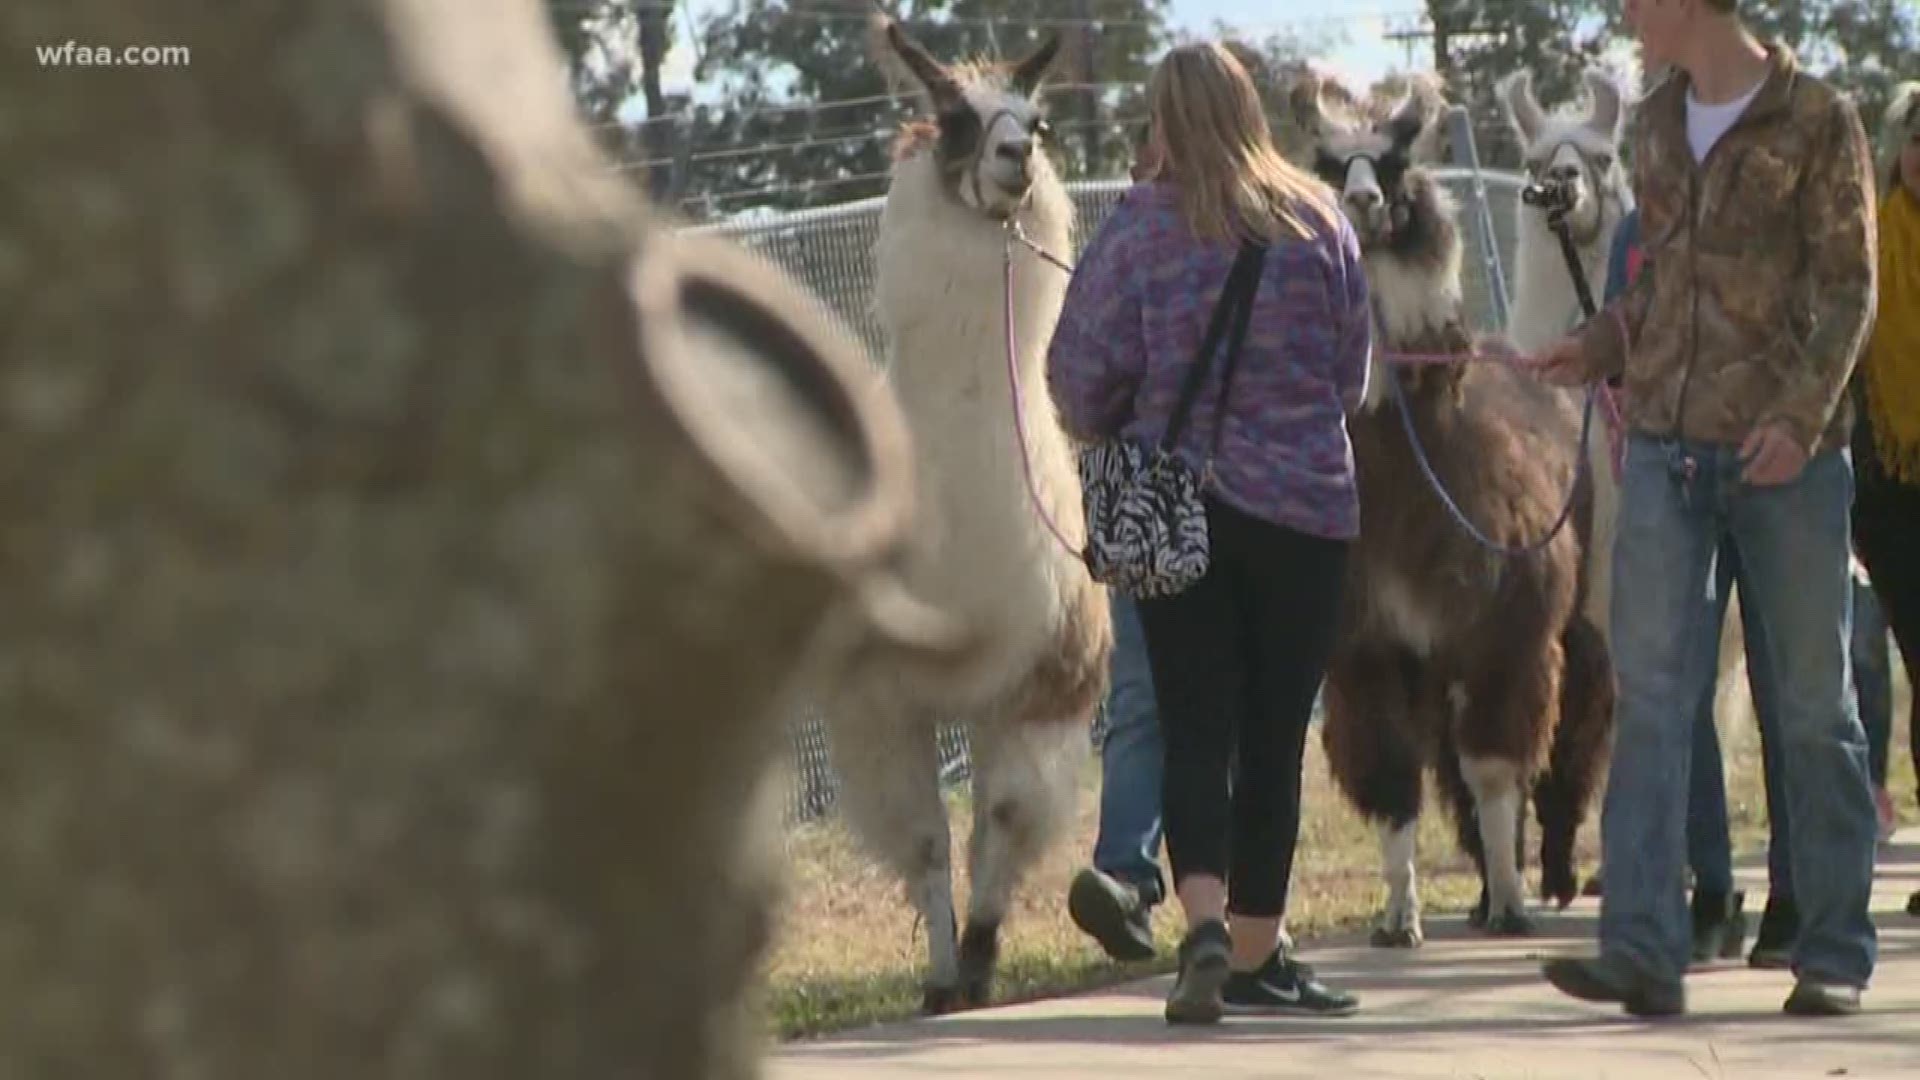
{"type": "Point", "coordinates": [1757, 289]}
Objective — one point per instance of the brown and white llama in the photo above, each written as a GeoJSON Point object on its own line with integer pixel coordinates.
{"type": "Point", "coordinates": [980, 545]}
{"type": "Point", "coordinates": [1452, 658]}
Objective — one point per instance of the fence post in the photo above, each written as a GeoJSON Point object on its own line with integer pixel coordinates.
{"type": "Point", "coordinates": [1466, 153]}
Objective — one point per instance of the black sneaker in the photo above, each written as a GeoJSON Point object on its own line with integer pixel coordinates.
{"type": "Point", "coordinates": [1613, 980]}
{"type": "Point", "coordinates": [1810, 998]}
{"type": "Point", "coordinates": [1719, 926]}
{"type": "Point", "coordinates": [1773, 945]}
{"type": "Point", "coordinates": [1913, 904]}
{"type": "Point", "coordinates": [1284, 987]}
{"type": "Point", "coordinates": [1113, 913]}
{"type": "Point", "coordinates": [1205, 956]}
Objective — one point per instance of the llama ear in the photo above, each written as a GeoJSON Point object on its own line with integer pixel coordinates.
{"type": "Point", "coordinates": [1609, 106]}
{"type": "Point", "coordinates": [1523, 109]}
{"type": "Point", "coordinates": [1412, 125]}
{"type": "Point", "coordinates": [905, 61]}
{"type": "Point", "coordinates": [1897, 126]}
{"type": "Point", "coordinates": [1028, 73]}
{"type": "Point", "coordinates": [1305, 101]}
{"type": "Point", "coordinates": [1903, 112]}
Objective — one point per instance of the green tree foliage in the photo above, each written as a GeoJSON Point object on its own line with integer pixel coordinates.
{"type": "Point", "coordinates": [1476, 43]}
{"type": "Point", "coordinates": [1863, 46]}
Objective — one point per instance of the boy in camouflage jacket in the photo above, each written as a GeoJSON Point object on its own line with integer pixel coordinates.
{"type": "Point", "coordinates": [1736, 341]}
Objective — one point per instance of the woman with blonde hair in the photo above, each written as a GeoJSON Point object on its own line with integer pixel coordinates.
{"type": "Point", "coordinates": [1886, 446]}
{"type": "Point", "coordinates": [1223, 232]}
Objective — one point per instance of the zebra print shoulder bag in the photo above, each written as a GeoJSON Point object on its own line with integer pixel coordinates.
{"type": "Point", "coordinates": [1146, 524]}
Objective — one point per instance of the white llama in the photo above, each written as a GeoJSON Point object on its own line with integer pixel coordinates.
{"type": "Point", "coordinates": [981, 548]}
{"type": "Point", "coordinates": [1580, 148]}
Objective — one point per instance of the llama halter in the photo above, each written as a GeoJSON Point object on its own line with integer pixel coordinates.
{"type": "Point", "coordinates": [1607, 195]}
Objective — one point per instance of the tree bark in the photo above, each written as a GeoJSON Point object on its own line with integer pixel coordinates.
{"type": "Point", "coordinates": [406, 553]}
{"type": "Point", "coordinates": [656, 39]}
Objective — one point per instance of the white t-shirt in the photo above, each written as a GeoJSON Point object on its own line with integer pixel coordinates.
{"type": "Point", "coordinates": [1706, 123]}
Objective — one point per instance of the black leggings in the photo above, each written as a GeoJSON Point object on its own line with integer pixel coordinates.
{"type": "Point", "coordinates": [1886, 525]}
{"type": "Point", "coordinates": [1237, 661]}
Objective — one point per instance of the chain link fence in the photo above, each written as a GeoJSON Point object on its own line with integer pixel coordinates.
{"type": "Point", "coordinates": [829, 251]}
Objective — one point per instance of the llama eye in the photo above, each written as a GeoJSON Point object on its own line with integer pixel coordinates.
{"type": "Point", "coordinates": [960, 131]}
{"type": "Point", "coordinates": [1042, 129]}
{"type": "Point", "coordinates": [1603, 163]}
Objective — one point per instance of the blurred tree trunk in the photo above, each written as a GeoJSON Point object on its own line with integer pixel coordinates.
{"type": "Point", "coordinates": [404, 559]}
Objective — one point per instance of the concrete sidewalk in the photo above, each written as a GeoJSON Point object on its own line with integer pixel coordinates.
{"type": "Point", "coordinates": [1464, 1006]}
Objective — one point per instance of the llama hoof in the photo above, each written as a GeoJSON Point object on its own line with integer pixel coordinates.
{"type": "Point", "coordinates": [1406, 937]}
{"type": "Point", "coordinates": [1510, 924]}
{"type": "Point", "coordinates": [1558, 887]}
{"type": "Point", "coordinates": [939, 1001]}
{"type": "Point", "coordinates": [979, 952]}
{"type": "Point", "coordinates": [1477, 918]}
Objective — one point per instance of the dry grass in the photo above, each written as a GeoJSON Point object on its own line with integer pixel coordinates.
{"type": "Point", "coordinates": [849, 951]}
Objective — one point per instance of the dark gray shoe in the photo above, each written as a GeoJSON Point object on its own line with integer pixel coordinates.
{"type": "Point", "coordinates": [1205, 957]}
{"type": "Point", "coordinates": [1719, 926]}
{"type": "Point", "coordinates": [1284, 986]}
{"type": "Point", "coordinates": [1112, 913]}
{"type": "Point", "coordinates": [1610, 979]}
{"type": "Point", "coordinates": [1812, 998]}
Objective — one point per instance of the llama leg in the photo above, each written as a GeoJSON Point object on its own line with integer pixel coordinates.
{"type": "Point", "coordinates": [1400, 924]}
{"type": "Point", "coordinates": [1023, 794]}
{"type": "Point", "coordinates": [1579, 757]}
{"type": "Point", "coordinates": [888, 765]}
{"type": "Point", "coordinates": [1377, 766]}
{"type": "Point", "coordinates": [1496, 787]}
{"type": "Point", "coordinates": [1465, 812]}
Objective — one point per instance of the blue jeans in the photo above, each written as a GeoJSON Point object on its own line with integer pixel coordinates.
{"type": "Point", "coordinates": [1709, 840]}
{"type": "Point", "coordinates": [1131, 761]}
{"type": "Point", "coordinates": [1873, 677]}
{"type": "Point", "coordinates": [1679, 501]}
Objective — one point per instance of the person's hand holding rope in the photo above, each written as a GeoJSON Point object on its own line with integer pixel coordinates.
{"type": "Point", "coordinates": [1563, 363]}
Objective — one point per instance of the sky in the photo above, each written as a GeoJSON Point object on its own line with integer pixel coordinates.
{"type": "Point", "coordinates": [1364, 56]}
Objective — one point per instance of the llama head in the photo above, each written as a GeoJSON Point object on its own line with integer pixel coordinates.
{"type": "Point", "coordinates": [1371, 152]}
{"type": "Point", "coordinates": [986, 126]}
{"type": "Point", "coordinates": [1579, 150]}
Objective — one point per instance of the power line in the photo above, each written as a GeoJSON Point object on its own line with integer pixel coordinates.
{"type": "Point", "coordinates": [687, 115]}
{"type": "Point", "coordinates": [855, 138]}
{"type": "Point", "coordinates": [1347, 17]}
{"type": "Point", "coordinates": [809, 185]}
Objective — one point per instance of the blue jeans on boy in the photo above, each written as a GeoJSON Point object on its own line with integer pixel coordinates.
{"type": "Point", "coordinates": [1679, 501]}
{"type": "Point", "coordinates": [1873, 677]}
{"type": "Point", "coordinates": [1709, 841]}
{"type": "Point", "coordinates": [1128, 846]}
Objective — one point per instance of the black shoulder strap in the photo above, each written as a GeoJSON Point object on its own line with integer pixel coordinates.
{"type": "Point", "coordinates": [1235, 303]}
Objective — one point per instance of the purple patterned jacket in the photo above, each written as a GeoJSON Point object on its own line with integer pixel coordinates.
{"type": "Point", "coordinates": [1134, 316]}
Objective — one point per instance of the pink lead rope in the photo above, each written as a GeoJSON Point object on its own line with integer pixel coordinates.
{"type": "Point", "coordinates": [1609, 405]}
{"type": "Point", "coordinates": [1019, 400]}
